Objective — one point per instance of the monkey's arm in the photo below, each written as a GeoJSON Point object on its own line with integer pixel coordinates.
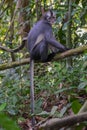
{"type": "Point", "coordinates": [52, 41]}
{"type": "Point", "coordinates": [56, 44]}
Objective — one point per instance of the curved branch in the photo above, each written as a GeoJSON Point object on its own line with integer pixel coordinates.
{"type": "Point", "coordinates": [68, 53]}
{"type": "Point", "coordinates": [16, 49]}
{"type": "Point", "coordinates": [5, 49]}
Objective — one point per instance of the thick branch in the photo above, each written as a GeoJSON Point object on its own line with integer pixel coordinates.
{"type": "Point", "coordinates": [55, 124]}
{"type": "Point", "coordinates": [71, 52]}
{"type": "Point", "coordinates": [14, 64]}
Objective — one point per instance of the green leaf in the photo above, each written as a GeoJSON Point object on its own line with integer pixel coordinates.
{"type": "Point", "coordinates": [12, 111]}
{"type": "Point", "coordinates": [76, 106]}
{"type": "Point", "coordinates": [85, 65]}
{"type": "Point", "coordinates": [64, 89]}
{"type": "Point", "coordinates": [43, 113]}
{"type": "Point", "coordinates": [53, 110]}
{"type": "Point", "coordinates": [2, 107]}
{"type": "Point", "coordinates": [82, 85]}
{"type": "Point", "coordinates": [65, 26]}
{"type": "Point", "coordinates": [64, 109]}
{"type": "Point", "coordinates": [7, 123]}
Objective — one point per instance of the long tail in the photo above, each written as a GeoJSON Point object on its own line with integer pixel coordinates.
{"type": "Point", "coordinates": [32, 90]}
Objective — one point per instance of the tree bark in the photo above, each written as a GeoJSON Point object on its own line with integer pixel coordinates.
{"type": "Point", "coordinates": [56, 123]}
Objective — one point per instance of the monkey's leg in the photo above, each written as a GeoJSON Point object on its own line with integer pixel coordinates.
{"type": "Point", "coordinates": [35, 53]}
{"type": "Point", "coordinates": [32, 90]}
{"type": "Point", "coordinates": [50, 56]}
{"type": "Point", "coordinates": [43, 51]}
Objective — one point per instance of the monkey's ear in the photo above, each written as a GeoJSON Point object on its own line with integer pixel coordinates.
{"type": "Point", "coordinates": [48, 13]}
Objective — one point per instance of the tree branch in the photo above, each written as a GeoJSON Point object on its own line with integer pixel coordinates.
{"type": "Point", "coordinates": [68, 53]}
{"type": "Point", "coordinates": [56, 124]}
{"type": "Point", "coordinates": [71, 52]}
{"type": "Point", "coordinates": [16, 49]}
{"type": "Point", "coordinates": [14, 64]}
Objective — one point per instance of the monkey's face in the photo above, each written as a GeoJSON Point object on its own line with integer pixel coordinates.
{"type": "Point", "coordinates": [50, 17]}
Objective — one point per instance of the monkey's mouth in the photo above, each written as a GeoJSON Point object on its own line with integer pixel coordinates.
{"type": "Point", "coordinates": [52, 22]}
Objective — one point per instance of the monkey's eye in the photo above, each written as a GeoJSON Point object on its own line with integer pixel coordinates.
{"type": "Point", "coordinates": [51, 19]}
{"type": "Point", "coordinates": [48, 18]}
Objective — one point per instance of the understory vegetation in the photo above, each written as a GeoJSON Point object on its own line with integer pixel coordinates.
{"type": "Point", "coordinates": [60, 86]}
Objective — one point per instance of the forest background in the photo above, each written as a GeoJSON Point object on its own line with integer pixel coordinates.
{"type": "Point", "coordinates": [60, 85]}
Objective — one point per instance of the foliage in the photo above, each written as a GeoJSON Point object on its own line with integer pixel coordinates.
{"type": "Point", "coordinates": [5, 122]}
{"type": "Point", "coordinates": [58, 89]}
